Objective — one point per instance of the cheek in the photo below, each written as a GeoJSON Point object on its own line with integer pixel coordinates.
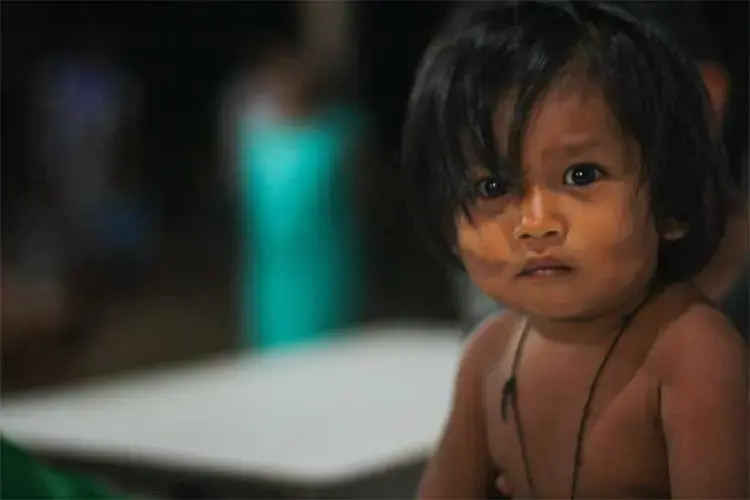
{"type": "Point", "coordinates": [485, 250]}
{"type": "Point", "coordinates": [619, 237]}
{"type": "Point", "coordinates": [484, 246]}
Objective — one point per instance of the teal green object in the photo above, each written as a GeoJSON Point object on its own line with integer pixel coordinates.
{"type": "Point", "coordinates": [300, 276]}
{"type": "Point", "coordinates": [24, 477]}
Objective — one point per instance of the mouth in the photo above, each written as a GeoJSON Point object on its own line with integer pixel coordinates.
{"type": "Point", "coordinates": [544, 268]}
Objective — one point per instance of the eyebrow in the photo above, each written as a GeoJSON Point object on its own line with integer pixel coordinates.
{"type": "Point", "coordinates": [575, 145]}
{"type": "Point", "coordinates": [571, 145]}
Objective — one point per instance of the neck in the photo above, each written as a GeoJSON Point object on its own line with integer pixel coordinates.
{"type": "Point", "coordinates": [595, 328]}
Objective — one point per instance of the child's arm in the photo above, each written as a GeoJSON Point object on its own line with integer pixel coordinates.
{"type": "Point", "coordinates": [704, 407]}
{"type": "Point", "coordinates": [462, 467]}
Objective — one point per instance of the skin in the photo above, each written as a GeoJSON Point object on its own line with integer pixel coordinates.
{"type": "Point", "coordinates": [288, 78]}
{"type": "Point", "coordinates": [721, 273]}
{"type": "Point", "coordinates": [673, 399]}
{"type": "Point", "coordinates": [717, 84]}
{"type": "Point", "coordinates": [730, 258]}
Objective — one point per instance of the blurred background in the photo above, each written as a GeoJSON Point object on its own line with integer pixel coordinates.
{"type": "Point", "coordinates": [121, 217]}
{"type": "Point", "coordinates": [134, 233]}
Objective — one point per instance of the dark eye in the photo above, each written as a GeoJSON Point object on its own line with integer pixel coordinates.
{"type": "Point", "coordinates": [582, 174]}
{"type": "Point", "coordinates": [491, 188]}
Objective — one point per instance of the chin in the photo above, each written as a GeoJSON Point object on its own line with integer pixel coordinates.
{"type": "Point", "coordinates": [552, 307]}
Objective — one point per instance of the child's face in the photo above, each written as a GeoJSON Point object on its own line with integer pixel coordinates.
{"type": "Point", "coordinates": [582, 207]}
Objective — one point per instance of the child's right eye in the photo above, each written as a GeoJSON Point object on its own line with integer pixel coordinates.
{"type": "Point", "coordinates": [491, 188]}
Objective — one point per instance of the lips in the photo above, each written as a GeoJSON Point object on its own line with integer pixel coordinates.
{"type": "Point", "coordinates": [544, 267]}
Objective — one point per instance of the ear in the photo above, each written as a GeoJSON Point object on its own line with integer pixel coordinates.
{"type": "Point", "coordinates": [674, 230]}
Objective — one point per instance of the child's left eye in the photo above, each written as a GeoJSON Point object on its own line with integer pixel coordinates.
{"type": "Point", "coordinates": [582, 174]}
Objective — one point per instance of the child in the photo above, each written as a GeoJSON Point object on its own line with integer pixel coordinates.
{"type": "Point", "coordinates": [562, 153]}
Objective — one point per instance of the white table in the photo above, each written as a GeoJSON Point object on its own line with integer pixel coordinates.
{"type": "Point", "coordinates": [326, 413]}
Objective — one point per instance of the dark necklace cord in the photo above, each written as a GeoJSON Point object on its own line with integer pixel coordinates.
{"type": "Point", "coordinates": [510, 393]}
{"type": "Point", "coordinates": [578, 457]}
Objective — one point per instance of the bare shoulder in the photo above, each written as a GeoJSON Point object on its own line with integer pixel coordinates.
{"type": "Point", "coordinates": [701, 341]}
{"type": "Point", "coordinates": [462, 465]}
{"type": "Point", "coordinates": [487, 343]}
{"type": "Point", "coordinates": [703, 381]}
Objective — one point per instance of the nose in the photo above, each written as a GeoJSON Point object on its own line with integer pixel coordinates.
{"type": "Point", "coordinates": [538, 218]}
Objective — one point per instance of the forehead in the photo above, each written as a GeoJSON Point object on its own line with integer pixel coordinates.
{"type": "Point", "coordinates": [571, 116]}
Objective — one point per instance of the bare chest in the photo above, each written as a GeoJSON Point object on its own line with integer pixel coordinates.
{"type": "Point", "coordinates": [622, 452]}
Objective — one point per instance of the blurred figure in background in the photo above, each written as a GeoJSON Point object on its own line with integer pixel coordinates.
{"type": "Point", "coordinates": [736, 300]}
{"type": "Point", "coordinates": [300, 269]}
{"type": "Point", "coordinates": [81, 226]}
{"type": "Point", "coordinates": [725, 278]}
{"type": "Point", "coordinates": [85, 110]}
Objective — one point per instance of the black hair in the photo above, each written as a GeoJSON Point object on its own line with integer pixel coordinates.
{"type": "Point", "coordinates": [686, 24]}
{"type": "Point", "coordinates": [489, 51]}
